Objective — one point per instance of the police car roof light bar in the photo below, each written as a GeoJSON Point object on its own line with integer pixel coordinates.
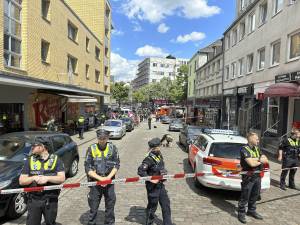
{"type": "Point", "coordinates": [220, 131]}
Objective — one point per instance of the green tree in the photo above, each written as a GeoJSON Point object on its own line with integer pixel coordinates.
{"type": "Point", "coordinates": [120, 92]}
{"type": "Point", "coordinates": [181, 83]}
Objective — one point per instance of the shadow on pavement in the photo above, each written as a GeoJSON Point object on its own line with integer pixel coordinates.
{"type": "Point", "coordinates": [137, 214]}
{"type": "Point", "coordinates": [219, 198]}
{"type": "Point", "coordinates": [84, 218]}
{"type": "Point", "coordinates": [4, 220]}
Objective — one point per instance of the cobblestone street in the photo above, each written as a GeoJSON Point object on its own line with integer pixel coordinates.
{"type": "Point", "coordinates": [190, 205]}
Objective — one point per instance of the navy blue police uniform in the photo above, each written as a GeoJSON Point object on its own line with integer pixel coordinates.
{"type": "Point", "coordinates": [290, 159]}
{"type": "Point", "coordinates": [153, 165]}
{"type": "Point", "coordinates": [102, 161]}
{"type": "Point", "coordinates": [251, 183]}
{"type": "Point", "coordinates": [46, 202]}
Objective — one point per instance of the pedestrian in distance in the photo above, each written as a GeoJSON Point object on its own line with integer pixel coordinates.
{"type": "Point", "coordinates": [252, 160]}
{"type": "Point", "coordinates": [149, 121]}
{"type": "Point", "coordinates": [101, 164]}
{"type": "Point", "coordinates": [289, 150]}
{"type": "Point", "coordinates": [154, 165]}
{"type": "Point", "coordinates": [42, 169]}
{"type": "Point", "coordinates": [80, 126]}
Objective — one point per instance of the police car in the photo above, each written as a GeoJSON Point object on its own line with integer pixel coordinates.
{"type": "Point", "coordinates": [216, 153]}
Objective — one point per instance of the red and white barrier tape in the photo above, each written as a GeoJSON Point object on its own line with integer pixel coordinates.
{"type": "Point", "coordinates": [122, 181]}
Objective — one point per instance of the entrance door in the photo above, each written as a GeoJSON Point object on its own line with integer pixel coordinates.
{"type": "Point", "coordinates": [11, 117]}
{"type": "Point", "coordinates": [296, 120]}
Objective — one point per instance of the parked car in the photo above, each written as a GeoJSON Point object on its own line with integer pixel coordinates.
{"type": "Point", "coordinates": [117, 128]}
{"type": "Point", "coordinates": [176, 125]}
{"type": "Point", "coordinates": [14, 147]}
{"type": "Point", "coordinates": [187, 134]}
{"type": "Point", "coordinates": [165, 119]}
{"type": "Point", "coordinates": [129, 123]}
{"type": "Point", "coordinates": [218, 151]}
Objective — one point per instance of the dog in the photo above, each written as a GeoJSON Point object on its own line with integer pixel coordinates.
{"type": "Point", "coordinates": [166, 140]}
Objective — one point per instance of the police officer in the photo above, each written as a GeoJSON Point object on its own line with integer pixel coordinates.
{"type": "Point", "coordinates": [289, 155]}
{"type": "Point", "coordinates": [80, 126]}
{"type": "Point", "coordinates": [152, 165]}
{"type": "Point", "coordinates": [101, 164]}
{"type": "Point", "coordinates": [42, 169]}
{"type": "Point", "coordinates": [252, 160]}
{"type": "Point", "coordinates": [149, 121]}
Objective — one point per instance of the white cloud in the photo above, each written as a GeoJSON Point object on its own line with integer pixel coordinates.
{"type": "Point", "coordinates": [117, 32]}
{"type": "Point", "coordinates": [148, 51]}
{"type": "Point", "coordinates": [163, 28]}
{"type": "Point", "coordinates": [194, 36]}
{"type": "Point", "coordinates": [123, 69]}
{"type": "Point", "coordinates": [156, 10]}
{"type": "Point", "coordinates": [136, 26]}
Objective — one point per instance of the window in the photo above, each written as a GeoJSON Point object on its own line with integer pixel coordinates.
{"type": "Point", "coordinates": [228, 41]}
{"type": "Point", "coordinates": [234, 37]}
{"type": "Point", "coordinates": [226, 150]}
{"type": "Point", "coordinates": [292, 2]}
{"type": "Point", "coordinates": [242, 30]}
{"type": "Point", "coordinates": [72, 31]}
{"type": "Point", "coordinates": [153, 80]}
{"type": "Point", "coordinates": [58, 142]}
{"type": "Point", "coordinates": [294, 48]}
{"type": "Point", "coordinates": [251, 22]}
{"type": "Point", "coordinates": [242, 4]}
{"type": "Point", "coordinates": [233, 70]}
{"type": "Point", "coordinates": [12, 33]}
{"type": "Point", "coordinates": [275, 53]}
{"type": "Point", "coordinates": [263, 12]}
{"type": "Point", "coordinates": [227, 73]}
{"type": "Point", "coordinates": [97, 76]}
{"type": "Point", "coordinates": [87, 71]}
{"type": "Point", "coordinates": [278, 5]}
{"type": "Point", "coordinates": [261, 59]}
{"type": "Point", "coordinates": [241, 67]}
{"type": "Point", "coordinates": [45, 9]}
{"type": "Point", "coordinates": [154, 64]}
{"type": "Point", "coordinates": [201, 143]}
{"type": "Point", "coordinates": [97, 53]}
{"type": "Point", "coordinates": [87, 44]}
{"type": "Point", "coordinates": [72, 64]}
{"type": "Point", "coordinates": [250, 63]}
{"type": "Point", "coordinates": [45, 46]}
{"type": "Point", "coordinates": [273, 114]}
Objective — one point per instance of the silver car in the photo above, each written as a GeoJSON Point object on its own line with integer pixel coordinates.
{"type": "Point", "coordinates": [117, 128]}
{"type": "Point", "coordinates": [176, 125]}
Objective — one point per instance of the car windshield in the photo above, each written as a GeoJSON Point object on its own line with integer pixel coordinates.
{"type": "Point", "coordinates": [9, 148]}
{"type": "Point", "coordinates": [194, 131]}
{"type": "Point", "coordinates": [110, 123]}
{"type": "Point", "coordinates": [226, 150]}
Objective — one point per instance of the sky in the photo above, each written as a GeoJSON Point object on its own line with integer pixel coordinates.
{"type": "Point", "coordinates": [145, 28]}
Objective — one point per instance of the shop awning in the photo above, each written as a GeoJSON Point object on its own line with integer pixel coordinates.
{"type": "Point", "coordinates": [79, 98]}
{"type": "Point", "coordinates": [283, 90]}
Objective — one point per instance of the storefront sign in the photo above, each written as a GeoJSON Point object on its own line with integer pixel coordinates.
{"type": "Point", "coordinates": [295, 76]}
{"type": "Point", "coordinates": [243, 90]}
{"type": "Point", "coordinates": [282, 78]}
{"type": "Point", "coordinates": [230, 91]}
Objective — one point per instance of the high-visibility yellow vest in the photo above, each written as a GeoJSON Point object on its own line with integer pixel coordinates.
{"type": "Point", "coordinates": [293, 143]}
{"type": "Point", "coordinates": [97, 153]}
{"type": "Point", "coordinates": [36, 165]}
{"type": "Point", "coordinates": [254, 153]}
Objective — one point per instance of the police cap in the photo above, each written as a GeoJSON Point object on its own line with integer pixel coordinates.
{"type": "Point", "coordinates": [42, 141]}
{"type": "Point", "coordinates": [154, 142]}
{"type": "Point", "coordinates": [102, 133]}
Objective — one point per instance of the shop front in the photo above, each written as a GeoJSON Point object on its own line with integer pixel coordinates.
{"type": "Point", "coordinates": [191, 113]}
{"type": "Point", "coordinates": [208, 112]}
{"type": "Point", "coordinates": [229, 108]}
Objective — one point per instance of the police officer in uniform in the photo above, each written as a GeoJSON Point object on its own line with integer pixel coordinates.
{"type": "Point", "coordinates": [149, 121]}
{"type": "Point", "coordinates": [101, 164]}
{"type": "Point", "coordinates": [252, 160]}
{"type": "Point", "coordinates": [289, 155]}
{"type": "Point", "coordinates": [80, 126]}
{"type": "Point", "coordinates": [152, 165]}
{"type": "Point", "coordinates": [42, 169]}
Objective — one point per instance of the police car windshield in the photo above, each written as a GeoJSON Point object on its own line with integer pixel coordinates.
{"type": "Point", "coordinates": [110, 123]}
{"type": "Point", "coordinates": [10, 148]}
{"type": "Point", "coordinates": [226, 150]}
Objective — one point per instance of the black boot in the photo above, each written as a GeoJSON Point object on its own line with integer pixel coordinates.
{"type": "Point", "coordinates": [242, 218]}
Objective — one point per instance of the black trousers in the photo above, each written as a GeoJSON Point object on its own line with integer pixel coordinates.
{"type": "Point", "coordinates": [149, 125]}
{"type": "Point", "coordinates": [289, 163]}
{"type": "Point", "coordinates": [157, 194]}
{"type": "Point", "coordinates": [81, 131]}
{"type": "Point", "coordinates": [43, 206]}
{"type": "Point", "coordinates": [94, 199]}
{"type": "Point", "coordinates": [251, 186]}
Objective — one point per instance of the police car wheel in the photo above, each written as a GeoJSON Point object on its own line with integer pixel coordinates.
{"type": "Point", "coordinates": [73, 168]}
{"type": "Point", "coordinates": [18, 206]}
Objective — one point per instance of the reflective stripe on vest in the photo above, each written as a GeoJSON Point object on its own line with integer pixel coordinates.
{"type": "Point", "coordinates": [254, 154]}
{"type": "Point", "coordinates": [154, 157]}
{"type": "Point", "coordinates": [97, 153]}
{"type": "Point", "coordinates": [81, 120]}
{"type": "Point", "coordinates": [36, 165]}
{"type": "Point", "coordinates": [293, 143]}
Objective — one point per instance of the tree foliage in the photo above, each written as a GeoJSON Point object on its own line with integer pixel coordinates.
{"type": "Point", "coordinates": [120, 92]}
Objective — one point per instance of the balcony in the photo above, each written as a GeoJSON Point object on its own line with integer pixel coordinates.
{"type": "Point", "coordinates": [106, 80]}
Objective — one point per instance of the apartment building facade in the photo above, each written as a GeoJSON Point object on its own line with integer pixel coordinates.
{"type": "Point", "coordinates": [51, 64]}
{"type": "Point", "coordinates": [262, 52]}
{"type": "Point", "coordinates": [208, 89]}
{"type": "Point", "coordinates": [153, 69]}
